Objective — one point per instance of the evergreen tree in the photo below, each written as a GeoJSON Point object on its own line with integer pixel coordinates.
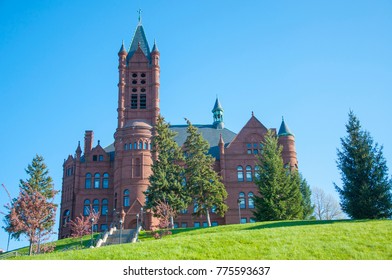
{"type": "Point", "coordinates": [366, 188]}
{"type": "Point", "coordinates": [203, 183]}
{"type": "Point", "coordinates": [39, 179]}
{"type": "Point", "coordinates": [307, 205]}
{"type": "Point", "coordinates": [167, 182]}
{"type": "Point", "coordinates": [279, 187]}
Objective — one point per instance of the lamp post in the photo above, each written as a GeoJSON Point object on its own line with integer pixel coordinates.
{"type": "Point", "coordinates": [92, 229]}
{"type": "Point", "coordinates": [239, 209]}
{"type": "Point", "coordinates": [106, 213]}
{"type": "Point", "coordinates": [141, 216]}
{"type": "Point", "coordinates": [121, 223]}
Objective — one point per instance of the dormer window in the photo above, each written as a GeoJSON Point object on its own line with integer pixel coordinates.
{"type": "Point", "coordinates": [95, 158]}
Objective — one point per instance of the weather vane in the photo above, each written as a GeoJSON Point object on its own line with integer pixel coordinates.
{"type": "Point", "coordinates": [140, 15]}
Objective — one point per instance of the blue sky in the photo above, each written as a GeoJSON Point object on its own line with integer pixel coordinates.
{"type": "Point", "coordinates": [309, 61]}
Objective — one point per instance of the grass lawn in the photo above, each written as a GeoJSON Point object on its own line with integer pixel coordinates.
{"type": "Point", "coordinates": [281, 240]}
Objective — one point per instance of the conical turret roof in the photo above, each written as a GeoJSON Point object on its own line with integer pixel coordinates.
{"type": "Point", "coordinates": [217, 106]}
{"type": "Point", "coordinates": [284, 130]}
{"type": "Point", "coordinates": [139, 41]}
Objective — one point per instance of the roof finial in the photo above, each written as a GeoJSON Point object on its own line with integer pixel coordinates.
{"type": "Point", "coordinates": [140, 15]}
{"type": "Point", "coordinates": [253, 114]}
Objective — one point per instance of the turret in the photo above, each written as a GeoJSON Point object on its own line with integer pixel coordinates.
{"type": "Point", "coordinates": [287, 140]}
{"type": "Point", "coordinates": [218, 115]}
{"type": "Point", "coordinates": [78, 151]}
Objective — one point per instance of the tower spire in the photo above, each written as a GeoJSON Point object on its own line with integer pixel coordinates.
{"type": "Point", "coordinates": [218, 114]}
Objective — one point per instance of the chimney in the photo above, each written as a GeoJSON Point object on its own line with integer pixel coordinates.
{"type": "Point", "coordinates": [88, 141]}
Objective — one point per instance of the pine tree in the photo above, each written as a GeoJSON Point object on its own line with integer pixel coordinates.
{"type": "Point", "coordinates": [366, 188]}
{"type": "Point", "coordinates": [39, 179]}
{"type": "Point", "coordinates": [280, 197]}
{"type": "Point", "coordinates": [308, 207]}
{"type": "Point", "coordinates": [203, 183]}
{"type": "Point", "coordinates": [167, 182]}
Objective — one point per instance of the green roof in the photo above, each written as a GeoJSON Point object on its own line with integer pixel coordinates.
{"type": "Point", "coordinates": [217, 106]}
{"type": "Point", "coordinates": [139, 40]}
{"type": "Point", "coordinates": [284, 130]}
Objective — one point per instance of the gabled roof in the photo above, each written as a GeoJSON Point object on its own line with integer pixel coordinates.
{"type": "Point", "coordinates": [284, 129]}
{"type": "Point", "coordinates": [139, 40]}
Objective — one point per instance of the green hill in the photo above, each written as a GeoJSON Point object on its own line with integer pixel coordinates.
{"type": "Point", "coordinates": [280, 240]}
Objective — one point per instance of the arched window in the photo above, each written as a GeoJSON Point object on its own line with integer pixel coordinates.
{"type": "Point", "coordinates": [140, 145]}
{"type": "Point", "coordinates": [125, 147]}
{"type": "Point", "coordinates": [135, 145]}
{"type": "Point", "coordinates": [146, 146]}
{"type": "Point", "coordinates": [126, 198]}
{"type": "Point", "coordinates": [249, 173]}
{"type": "Point", "coordinates": [241, 200]}
{"type": "Point", "coordinates": [96, 205]}
{"type": "Point", "coordinates": [251, 202]}
{"type": "Point", "coordinates": [105, 181]}
{"type": "Point", "coordinates": [257, 170]}
{"type": "Point", "coordinates": [195, 207]}
{"type": "Point", "coordinates": [240, 173]}
{"type": "Point", "coordinates": [97, 180]}
{"type": "Point", "coordinates": [66, 217]}
{"type": "Point", "coordinates": [86, 207]}
{"type": "Point", "coordinates": [104, 207]}
{"type": "Point", "coordinates": [87, 183]}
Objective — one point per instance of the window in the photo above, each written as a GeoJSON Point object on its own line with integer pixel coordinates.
{"type": "Point", "coordinates": [214, 224]}
{"type": "Point", "coordinates": [100, 158]}
{"type": "Point", "coordinates": [205, 224]}
{"type": "Point", "coordinates": [196, 224]}
{"type": "Point", "coordinates": [95, 227]}
{"type": "Point", "coordinates": [140, 145]}
{"type": "Point", "coordinates": [195, 207]}
{"type": "Point", "coordinates": [66, 217]}
{"type": "Point", "coordinates": [126, 198]}
{"type": "Point", "coordinates": [143, 75]}
{"type": "Point", "coordinates": [175, 225]}
{"type": "Point", "coordinates": [146, 146]}
{"type": "Point", "coordinates": [134, 75]}
{"type": "Point", "coordinates": [105, 181]}
{"type": "Point", "coordinates": [134, 82]}
{"type": "Point", "coordinates": [257, 170]}
{"type": "Point", "coordinates": [251, 202]}
{"type": "Point", "coordinates": [213, 209]}
{"type": "Point", "coordinates": [184, 225]}
{"type": "Point", "coordinates": [255, 151]}
{"type": "Point", "coordinates": [249, 173]}
{"type": "Point", "coordinates": [244, 220]}
{"type": "Point", "coordinates": [95, 157]}
{"type": "Point", "coordinates": [135, 145]}
{"type": "Point", "coordinates": [86, 207]}
{"type": "Point", "coordinates": [134, 101]}
{"type": "Point", "coordinates": [125, 147]}
{"type": "Point", "coordinates": [241, 200]}
{"type": "Point", "coordinates": [87, 183]}
{"type": "Point", "coordinates": [104, 207]}
{"type": "Point", "coordinates": [143, 90]}
{"type": "Point", "coordinates": [96, 205]}
{"type": "Point", "coordinates": [252, 220]}
{"type": "Point", "coordinates": [104, 227]}
{"type": "Point", "coordinates": [137, 167]}
{"type": "Point", "coordinates": [97, 180]}
{"type": "Point", "coordinates": [240, 173]}
{"type": "Point", "coordinates": [143, 101]}
{"type": "Point", "coordinates": [130, 146]}
{"type": "Point", "coordinates": [134, 89]}
{"type": "Point", "coordinates": [184, 211]}
{"type": "Point", "coordinates": [143, 82]}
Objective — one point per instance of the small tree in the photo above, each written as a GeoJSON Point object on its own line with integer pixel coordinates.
{"type": "Point", "coordinates": [167, 179]}
{"type": "Point", "coordinates": [366, 188]}
{"type": "Point", "coordinates": [279, 187]}
{"type": "Point", "coordinates": [30, 213]}
{"type": "Point", "coordinates": [203, 183]}
{"type": "Point", "coordinates": [326, 206]}
{"type": "Point", "coordinates": [164, 212]}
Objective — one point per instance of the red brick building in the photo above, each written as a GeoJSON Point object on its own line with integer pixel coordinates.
{"type": "Point", "coordinates": [112, 179]}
